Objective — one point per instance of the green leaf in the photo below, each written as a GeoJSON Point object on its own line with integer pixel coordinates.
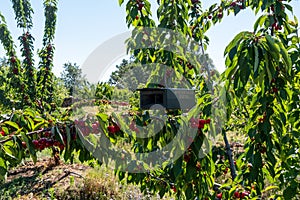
{"type": "Point", "coordinates": [189, 192]}
{"type": "Point", "coordinates": [289, 192]}
{"type": "Point", "coordinates": [259, 22]}
{"type": "Point", "coordinates": [30, 145]}
{"type": "Point", "coordinates": [271, 158]}
{"type": "Point", "coordinates": [38, 126]}
{"type": "Point", "coordinates": [232, 52]}
{"type": "Point", "coordinates": [272, 187]}
{"type": "Point", "coordinates": [177, 169]}
{"type": "Point", "coordinates": [256, 59]}
{"type": "Point", "coordinates": [30, 123]}
{"type": "Point", "coordinates": [3, 168]}
{"type": "Point", "coordinates": [272, 45]}
{"type": "Point", "coordinates": [235, 42]}
{"type": "Point", "coordinates": [12, 124]}
{"type": "Point", "coordinates": [102, 116]}
{"type": "Point", "coordinates": [286, 57]}
{"type": "Point", "coordinates": [121, 2]}
{"type": "Point", "coordinates": [57, 134]}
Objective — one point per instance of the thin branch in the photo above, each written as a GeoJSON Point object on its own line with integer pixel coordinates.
{"type": "Point", "coordinates": [28, 134]}
{"type": "Point", "coordinates": [229, 153]}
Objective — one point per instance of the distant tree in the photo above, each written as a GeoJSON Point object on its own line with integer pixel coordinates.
{"type": "Point", "coordinates": [72, 77]}
{"type": "Point", "coordinates": [60, 91]}
{"type": "Point", "coordinates": [4, 69]}
{"type": "Point", "coordinates": [121, 70]}
{"type": "Point", "coordinates": [129, 75]}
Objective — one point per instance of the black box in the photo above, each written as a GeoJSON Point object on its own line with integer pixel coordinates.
{"type": "Point", "coordinates": [170, 98]}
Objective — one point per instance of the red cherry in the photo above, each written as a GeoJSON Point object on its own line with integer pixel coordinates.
{"type": "Point", "coordinates": [202, 121]}
{"type": "Point", "coordinates": [194, 123]}
{"type": "Point", "coordinates": [35, 143]}
{"type": "Point", "coordinates": [47, 134]}
{"type": "Point", "coordinates": [136, 17]}
{"type": "Point", "coordinates": [15, 71]}
{"type": "Point", "coordinates": [2, 133]}
{"type": "Point", "coordinates": [85, 131]}
{"type": "Point", "coordinates": [226, 170]}
{"type": "Point", "coordinates": [24, 145]}
{"type": "Point", "coordinates": [236, 194]}
{"type": "Point", "coordinates": [198, 165]}
{"type": "Point", "coordinates": [207, 121]}
{"type": "Point", "coordinates": [243, 194]}
{"type": "Point", "coordinates": [275, 90]}
{"type": "Point", "coordinates": [173, 188]}
{"type": "Point", "coordinates": [56, 143]}
{"type": "Point", "coordinates": [117, 128]}
{"type": "Point", "coordinates": [81, 123]}
{"type": "Point", "coordinates": [233, 4]}
{"type": "Point", "coordinates": [220, 15]}
{"type": "Point", "coordinates": [13, 59]}
{"type": "Point", "coordinates": [95, 127]}
{"type": "Point", "coordinates": [49, 47]}
{"type": "Point", "coordinates": [61, 147]}
{"type": "Point", "coordinates": [219, 196]}
{"type": "Point", "coordinates": [200, 126]}
{"type": "Point", "coordinates": [190, 140]}
{"type": "Point", "coordinates": [186, 157]}
{"type": "Point", "coordinates": [111, 129]}
{"type": "Point", "coordinates": [74, 136]}
{"type": "Point", "coordinates": [263, 150]}
{"type": "Point", "coordinates": [209, 16]}
{"type": "Point", "coordinates": [132, 126]}
{"type": "Point", "coordinates": [273, 80]}
{"type": "Point", "coordinates": [140, 6]}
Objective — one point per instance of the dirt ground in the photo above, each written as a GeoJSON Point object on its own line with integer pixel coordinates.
{"type": "Point", "coordinates": [42, 180]}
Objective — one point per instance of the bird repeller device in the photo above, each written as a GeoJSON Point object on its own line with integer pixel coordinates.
{"type": "Point", "coordinates": [169, 98]}
{"type": "Point", "coordinates": [158, 96]}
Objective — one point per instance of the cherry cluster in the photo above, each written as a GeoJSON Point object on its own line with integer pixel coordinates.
{"type": "Point", "coordinates": [199, 123]}
{"type": "Point", "coordinates": [241, 195]}
{"type": "Point", "coordinates": [44, 143]}
{"type": "Point", "coordinates": [87, 129]}
{"type": "Point", "coordinates": [133, 127]}
{"type": "Point", "coordinates": [47, 140]}
{"type": "Point", "coordinates": [26, 42]}
{"type": "Point", "coordinates": [238, 3]}
{"type": "Point", "coordinates": [13, 60]}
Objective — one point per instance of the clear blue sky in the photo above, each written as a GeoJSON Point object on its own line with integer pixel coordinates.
{"type": "Point", "coordinates": [83, 25]}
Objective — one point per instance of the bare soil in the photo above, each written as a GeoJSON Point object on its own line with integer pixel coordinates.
{"type": "Point", "coordinates": [42, 180]}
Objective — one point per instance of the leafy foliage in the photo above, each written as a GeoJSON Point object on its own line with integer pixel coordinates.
{"type": "Point", "coordinates": [262, 70]}
{"type": "Point", "coordinates": [261, 84]}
